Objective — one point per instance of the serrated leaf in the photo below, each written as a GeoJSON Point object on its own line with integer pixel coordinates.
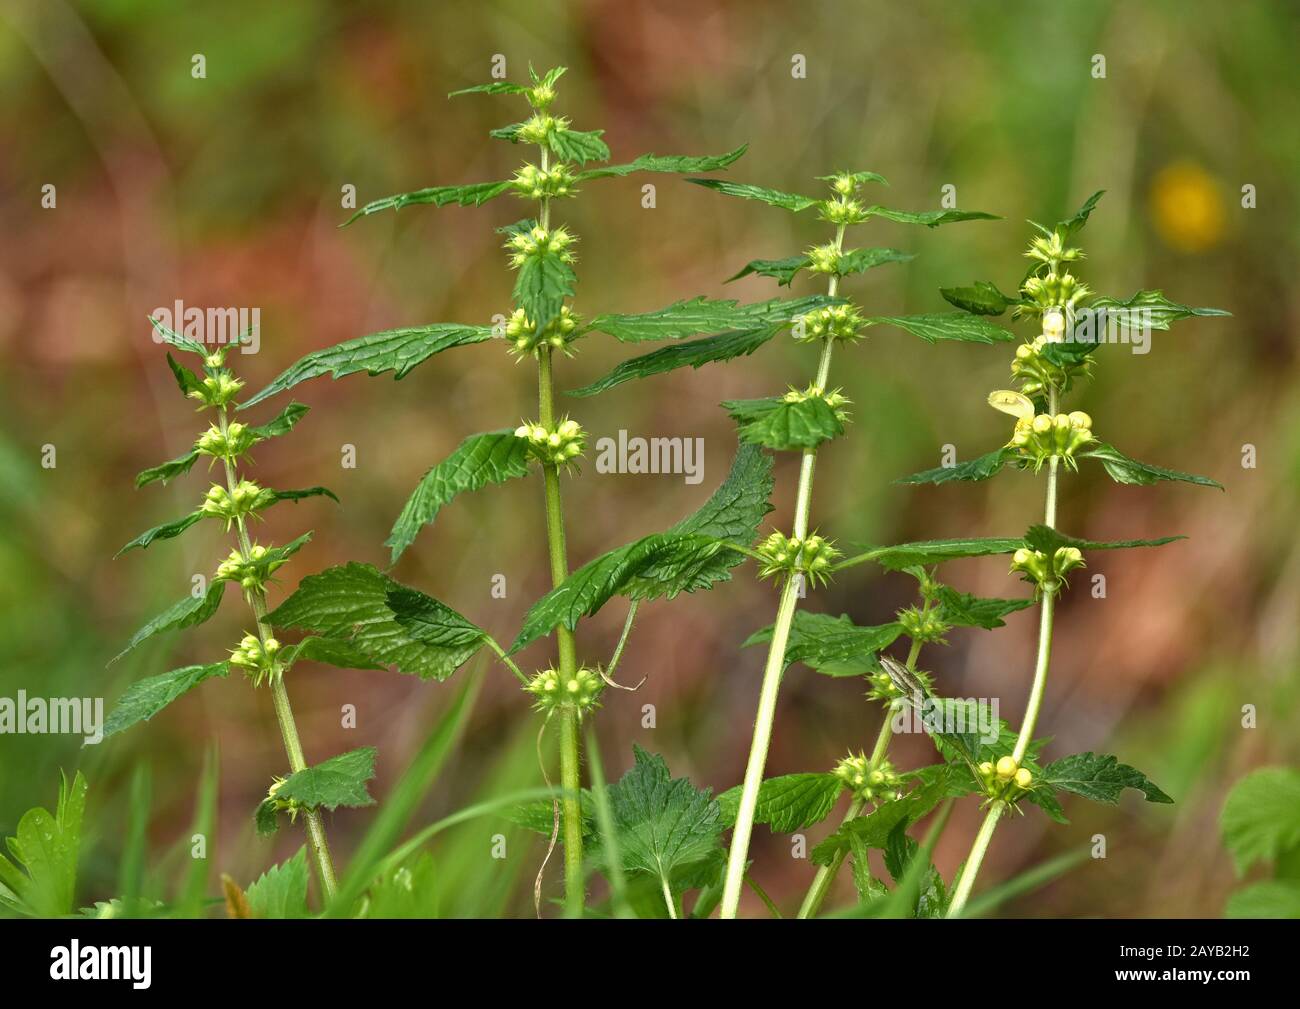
{"type": "Point", "coordinates": [663, 824]}
{"type": "Point", "coordinates": [860, 260]}
{"type": "Point", "coordinates": [783, 271]}
{"type": "Point", "coordinates": [936, 326]}
{"type": "Point", "coordinates": [982, 298]}
{"type": "Point", "coordinates": [145, 698]}
{"type": "Point", "coordinates": [1122, 469]}
{"type": "Point", "coordinates": [1260, 821]}
{"type": "Point", "coordinates": [691, 555]}
{"type": "Point", "coordinates": [1274, 898]}
{"type": "Point", "coordinates": [857, 177]}
{"type": "Point", "coordinates": [435, 624]}
{"type": "Point", "coordinates": [351, 602]}
{"type": "Point", "coordinates": [1099, 777]}
{"type": "Point", "coordinates": [185, 379]}
{"type": "Point", "coordinates": [666, 163]}
{"type": "Point", "coordinates": [788, 803]}
{"type": "Point", "coordinates": [479, 460]}
{"type": "Point", "coordinates": [189, 612]}
{"type": "Point", "coordinates": [543, 282]}
{"type": "Point", "coordinates": [282, 423]}
{"type": "Point", "coordinates": [930, 218]}
{"type": "Point", "coordinates": [166, 531]}
{"type": "Point", "coordinates": [281, 891]}
{"type": "Point", "coordinates": [980, 468]}
{"type": "Point", "coordinates": [495, 88]}
{"type": "Point", "coordinates": [1071, 226]}
{"type": "Point", "coordinates": [778, 424]}
{"type": "Point", "coordinates": [703, 315]}
{"type": "Point", "coordinates": [1049, 540]}
{"type": "Point", "coordinates": [693, 354]}
{"type": "Point", "coordinates": [964, 610]}
{"type": "Point", "coordinates": [395, 350]}
{"type": "Point", "coordinates": [1156, 311]}
{"type": "Point", "coordinates": [772, 197]}
{"type": "Point", "coordinates": [873, 829]}
{"type": "Point", "coordinates": [165, 471]}
{"type": "Point", "coordinates": [47, 846]}
{"type": "Point", "coordinates": [335, 652]}
{"type": "Point", "coordinates": [177, 340]}
{"type": "Point", "coordinates": [338, 781]}
{"type": "Point", "coordinates": [473, 195]}
{"type": "Point", "coordinates": [578, 145]}
{"type": "Point", "coordinates": [270, 495]}
{"type": "Point", "coordinates": [833, 646]}
{"type": "Point", "coordinates": [908, 555]}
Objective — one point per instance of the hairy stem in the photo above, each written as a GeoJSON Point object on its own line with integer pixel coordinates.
{"type": "Point", "coordinates": [1046, 623]}
{"type": "Point", "coordinates": [775, 665]}
{"type": "Point", "coordinates": [316, 839]}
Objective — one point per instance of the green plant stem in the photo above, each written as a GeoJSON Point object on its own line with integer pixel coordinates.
{"type": "Point", "coordinates": [316, 838]}
{"type": "Point", "coordinates": [1046, 624]}
{"type": "Point", "coordinates": [775, 665]}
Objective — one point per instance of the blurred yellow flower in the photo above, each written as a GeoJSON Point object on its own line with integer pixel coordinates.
{"type": "Point", "coordinates": [1187, 207]}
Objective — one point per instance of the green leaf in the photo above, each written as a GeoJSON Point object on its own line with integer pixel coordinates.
{"type": "Point", "coordinates": [873, 829]}
{"type": "Point", "coordinates": [908, 555]}
{"type": "Point", "coordinates": [479, 460]}
{"type": "Point", "coordinates": [1049, 540]}
{"type": "Point", "coordinates": [473, 195]}
{"type": "Point", "coordinates": [662, 824]}
{"type": "Point", "coordinates": [166, 531]}
{"type": "Point", "coordinates": [946, 326]}
{"type": "Point", "coordinates": [435, 624]}
{"type": "Point", "coordinates": [351, 602]}
{"type": "Point", "coordinates": [702, 315]}
{"type": "Point", "coordinates": [980, 468]}
{"type": "Point", "coordinates": [983, 298]}
{"type": "Point", "coordinates": [1156, 311]}
{"type": "Point", "coordinates": [1071, 226]}
{"type": "Point", "coordinates": [1260, 821]}
{"type": "Point", "coordinates": [1098, 777]}
{"type": "Point", "coordinates": [270, 496]}
{"type": "Point", "coordinates": [189, 612]}
{"type": "Point", "coordinates": [790, 802]}
{"type": "Point", "coordinates": [338, 781]}
{"type": "Point", "coordinates": [145, 698]}
{"type": "Point", "coordinates": [963, 610]}
{"type": "Point", "coordinates": [543, 282]}
{"type": "Point", "coordinates": [665, 163]}
{"type": "Point", "coordinates": [283, 422]}
{"type": "Point", "coordinates": [1271, 899]}
{"type": "Point", "coordinates": [165, 471]}
{"type": "Point", "coordinates": [691, 555]}
{"type": "Point", "coordinates": [772, 197]}
{"type": "Point", "coordinates": [694, 354]}
{"type": "Point", "coordinates": [783, 271]}
{"type": "Point", "coordinates": [930, 218]}
{"type": "Point", "coordinates": [495, 88]}
{"type": "Point", "coordinates": [47, 846]}
{"type": "Point", "coordinates": [395, 350]}
{"type": "Point", "coordinates": [1122, 469]}
{"type": "Point", "coordinates": [281, 891]}
{"type": "Point", "coordinates": [180, 342]}
{"type": "Point", "coordinates": [185, 379]}
{"type": "Point", "coordinates": [777, 424]}
{"type": "Point", "coordinates": [834, 646]}
{"type": "Point", "coordinates": [329, 651]}
{"type": "Point", "coordinates": [858, 178]}
{"type": "Point", "coordinates": [578, 145]}
{"type": "Point", "coordinates": [860, 260]}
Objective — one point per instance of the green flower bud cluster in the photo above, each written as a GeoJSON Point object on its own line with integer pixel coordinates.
{"type": "Point", "coordinates": [838, 322]}
{"type": "Point", "coordinates": [1006, 779]}
{"type": "Point", "coordinates": [246, 498]}
{"type": "Point", "coordinates": [843, 184]}
{"type": "Point", "coordinates": [1055, 291]}
{"type": "Point", "coordinates": [782, 556]}
{"type": "Point", "coordinates": [1042, 436]}
{"type": "Point", "coordinates": [1051, 250]}
{"type": "Point", "coordinates": [253, 571]}
{"type": "Point", "coordinates": [539, 241]}
{"type": "Point", "coordinates": [231, 444]}
{"type": "Point", "coordinates": [835, 399]}
{"type": "Point", "coordinates": [556, 334]}
{"type": "Point", "coordinates": [883, 688]}
{"type": "Point", "coordinates": [257, 658]}
{"type": "Point", "coordinates": [553, 690]}
{"type": "Point", "coordinates": [533, 183]}
{"type": "Point", "coordinates": [877, 784]}
{"type": "Point", "coordinates": [1036, 374]}
{"type": "Point", "coordinates": [290, 806]}
{"type": "Point", "coordinates": [538, 128]}
{"type": "Point", "coordinates": [824, 258]}
{"type": "Point", "coordinates": [923, 625]}
{"type": "Point", "coordinates": [842, 212]}
{"type": "Point", "coordinates": [218, 389]}
{"type": "Point", "coordinates": [559, 447]}
{"type": "Point", "coordinates": [540, 96]}
{"type": "Point", "coordinates": [1047, 573]}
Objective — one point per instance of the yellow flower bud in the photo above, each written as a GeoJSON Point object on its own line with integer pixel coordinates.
{"type": "Point", "coordinates": [1006, 768]}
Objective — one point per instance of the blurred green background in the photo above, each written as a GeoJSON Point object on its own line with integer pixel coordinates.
{"type": "Point", "coordinates": [226, 191]}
